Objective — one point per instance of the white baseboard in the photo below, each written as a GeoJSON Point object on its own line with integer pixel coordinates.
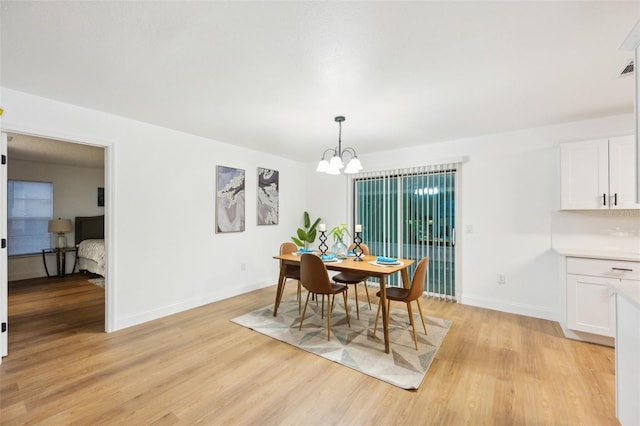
{"type": "Point", "coordinates": [512, 308]}
{"type": "Point", "coordinates": [25, 276]}
{"type": "Point", "coordinates": [194, 302]}
{"type": "Point", "coordinates": [587, 337]}
{"type": "Point", "coordinates": [184, 305]}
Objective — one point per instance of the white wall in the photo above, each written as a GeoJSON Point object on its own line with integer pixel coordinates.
{"type": "Point", "coordinates": [510, 189]}
{"type": "Point", "coordinates": [163, 254]}
{"type": "Point", "coordinates": [75, 193]}
{"type": "Point", "coordinates": [165, 257]}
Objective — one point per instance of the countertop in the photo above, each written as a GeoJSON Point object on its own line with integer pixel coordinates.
{"type": "Point", "coordinates": [599, 254]}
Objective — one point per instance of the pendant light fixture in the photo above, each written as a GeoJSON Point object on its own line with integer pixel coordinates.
{"type": "Point", "coordinates": [336, 163]}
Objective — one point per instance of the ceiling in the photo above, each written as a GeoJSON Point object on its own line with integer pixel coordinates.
{"type": "Point", "coordinates": [271, 76]}
{"type": "Point", "coordinates": [31, 148]}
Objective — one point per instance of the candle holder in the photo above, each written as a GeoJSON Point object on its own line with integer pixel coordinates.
{"type": "Point", "coordinates": [357, 250]}
{"type": "Point", "coordinates": [323, 247]}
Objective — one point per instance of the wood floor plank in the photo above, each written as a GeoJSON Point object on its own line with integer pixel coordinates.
{"type": "Point", "coordinates": [199, 367]}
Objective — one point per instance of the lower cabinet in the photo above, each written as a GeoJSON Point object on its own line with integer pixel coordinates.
{"type": "Point", "coordinates": [590, 300]}
{"type": "Point", "coordinates": [591, 307]}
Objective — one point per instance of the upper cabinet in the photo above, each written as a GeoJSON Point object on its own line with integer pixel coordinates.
{"type": "Point", "coordinates": [598, 174]}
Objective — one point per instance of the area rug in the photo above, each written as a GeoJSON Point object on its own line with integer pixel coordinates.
{"type": "Point", "coordinates": [356, 347]}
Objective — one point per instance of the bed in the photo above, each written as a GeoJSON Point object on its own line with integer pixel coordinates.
{"type": "Point", "coordinates": [89, 237]}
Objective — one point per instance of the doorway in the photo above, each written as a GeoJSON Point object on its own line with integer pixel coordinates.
{"type": "Point", "coordinates": [412, 214]}
{"type": "Point", "coordinates": [79, 175]}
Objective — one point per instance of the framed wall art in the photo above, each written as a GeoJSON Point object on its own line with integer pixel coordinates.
{"type": "Point", "coordinates": [230, 196]}
{"type": "Point", "coordinates": [268, 196]}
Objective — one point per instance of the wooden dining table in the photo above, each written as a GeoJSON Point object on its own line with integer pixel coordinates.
{"type": "Point", "coordinates": [351, 265]}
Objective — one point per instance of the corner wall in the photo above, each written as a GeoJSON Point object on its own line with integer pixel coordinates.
{"type": "Point", "coordinates": [163, 255]}
{"type": "Point", "coordinates": [510, 189]}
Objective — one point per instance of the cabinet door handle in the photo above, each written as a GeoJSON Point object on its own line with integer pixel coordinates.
{"type": "Point", "coordinates": [622, 269]}
{"type": "Point", "coordinates": [615, 199]}
{"type": "Point", "coordinates": [604, 199]}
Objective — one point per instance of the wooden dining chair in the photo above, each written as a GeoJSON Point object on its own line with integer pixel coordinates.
{"type": "Point", "coordinates": [291, 271]}
{"type": "Point", "coordinates": [315, 279]}
{"type": "Point", "coordinates": [352, 278]}
{"type": "Point", "coordinates": [408, 295]}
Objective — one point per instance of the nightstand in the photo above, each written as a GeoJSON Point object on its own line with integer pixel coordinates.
{"type": "Point", "coordinates": [61, 260]}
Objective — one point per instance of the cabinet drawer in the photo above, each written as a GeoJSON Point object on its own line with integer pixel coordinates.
{"type": "Point", "coordinates": [604, 268]}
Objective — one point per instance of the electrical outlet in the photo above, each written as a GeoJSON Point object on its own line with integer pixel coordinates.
{"type": "Point", "coordinates": [243, 266]}
{"type": "Point", "coordinates": [502, 279]}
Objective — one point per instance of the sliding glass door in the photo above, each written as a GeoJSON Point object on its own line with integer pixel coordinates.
{"type": "Point", "coordinates": [411, 214]}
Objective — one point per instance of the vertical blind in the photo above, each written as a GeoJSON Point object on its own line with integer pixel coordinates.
{"type": "Point", "coordinates": [410, 213]}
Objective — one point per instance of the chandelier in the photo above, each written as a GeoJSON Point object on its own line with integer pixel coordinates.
{"type": "Point", "coordinates": [336, 163]}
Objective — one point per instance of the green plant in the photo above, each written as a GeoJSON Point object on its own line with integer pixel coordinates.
{"type": "Point", "coordinates": [338, 232]}
{"type": "Point", "coordinates": [306, 235]}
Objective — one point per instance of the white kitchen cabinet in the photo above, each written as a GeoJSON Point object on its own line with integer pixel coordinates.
{"type": "Point", "coordinates": [598, 174]}
{"type": "Point", "coordinates": [627, 358]}
{"type": "Point", "coordinates": [631, 287]}
{"type": "Point", "coordinates": [590, 302]}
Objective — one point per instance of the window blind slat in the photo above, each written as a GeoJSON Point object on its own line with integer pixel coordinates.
{"type": "Point", "coordinates": [29, 209]}
{"type": "Point", "coordinates": [410, 213]}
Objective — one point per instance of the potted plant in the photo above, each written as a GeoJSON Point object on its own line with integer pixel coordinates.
{"type": "Point", "coordinates": [307, 235]}
{"type": "Point", "coordinates": [338, 232]}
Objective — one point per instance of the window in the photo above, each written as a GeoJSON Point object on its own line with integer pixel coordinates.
{"type": "Point", "coordinates": [411, 214]}
{"type": "Point", "coordinates": [29, 209]}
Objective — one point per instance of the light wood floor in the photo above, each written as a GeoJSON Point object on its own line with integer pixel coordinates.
{"type": "Point", "coordinates": [198, 367]}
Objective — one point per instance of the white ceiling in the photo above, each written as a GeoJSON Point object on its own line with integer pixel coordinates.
{"type": "Point", "coordinates": [272, 75]}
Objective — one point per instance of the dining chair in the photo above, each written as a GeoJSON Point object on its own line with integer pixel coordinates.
{"type": "Point", "coordinates": [291, 271]}
{"type": "Point", "coordinates": [353, 278]}
{"type": "Point", "coordinates": [408, 295]}
{"type": "Point", "coordinates": [315, 279]}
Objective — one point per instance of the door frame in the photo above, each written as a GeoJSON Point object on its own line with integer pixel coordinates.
{"type": "Point", "coordinates": [110, 208]}
{"type": "Point", "coordinates": [458, 238]}
{"type": "Point", "coordinates": [4, 283]}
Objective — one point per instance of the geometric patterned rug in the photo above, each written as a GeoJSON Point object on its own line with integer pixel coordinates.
{"type": "Point", "coordinates": [355, 346]}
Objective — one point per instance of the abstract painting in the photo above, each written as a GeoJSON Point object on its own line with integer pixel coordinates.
{"type": "Point", "coordinates": [230, 200]}
{"type": "Point", "coordinates": [268, 186]}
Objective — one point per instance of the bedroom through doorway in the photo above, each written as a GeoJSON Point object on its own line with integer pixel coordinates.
{"type": "Point", "coordinates": [41, 261]}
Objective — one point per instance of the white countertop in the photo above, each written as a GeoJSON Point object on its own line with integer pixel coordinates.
{"type": "Point", "coordinates": [599, 254]}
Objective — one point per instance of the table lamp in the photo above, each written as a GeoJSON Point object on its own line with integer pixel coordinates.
{"type": "Point", "coordinates": [60, 226]}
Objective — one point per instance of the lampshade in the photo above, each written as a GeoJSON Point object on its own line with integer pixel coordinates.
{"type": "Point", "coordinates": [336, 163]}
{"type": "Point", "coordinates": [333, 171]}
{"type": "Point", "coordinates": [354, 166]}
{"type": "Point", "coordinates": [323, 166]}
{"type": "Point", "coordinates": [60, 225]}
